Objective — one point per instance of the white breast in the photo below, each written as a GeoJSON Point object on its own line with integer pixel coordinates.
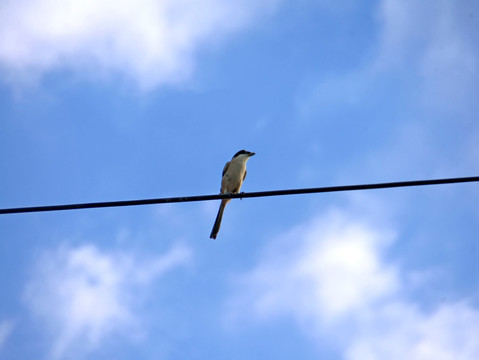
{"type": "Point", "coordinates": [233, 177]}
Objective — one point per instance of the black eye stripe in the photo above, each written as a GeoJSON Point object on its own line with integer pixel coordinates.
{"type": "Point", "coordinates": [241, 152]}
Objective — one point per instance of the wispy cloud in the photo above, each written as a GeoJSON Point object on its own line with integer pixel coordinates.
{"type": "Point", "coordinates": [331, 275]}
{"type": "Point", "coordinates": [421, 80]}
{"type": "Point", "coordinates": [152, 42]}
{"type": "Point", "coordinates": [432, 39]}
{"type": "Point", "coordinates": [83, 295]}
{"type": "Point", "coordinates": [426, 45]}
{"type": "Point", "coordinates": [6, 328]}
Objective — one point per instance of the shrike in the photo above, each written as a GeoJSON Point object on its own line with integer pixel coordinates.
{"type": "Point", "coordinates": [234, 173]}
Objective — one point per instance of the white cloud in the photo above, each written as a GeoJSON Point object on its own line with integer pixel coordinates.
{"type": "Point", "coordinates": [6, 328]}
{"type": "Point", "coordinates": [84, 295]}
{"type": "Point", "coordinates": [333, 278]}
{"type": "Point", "coordinates": [152, 42]}
{"type": "Point", "coordinates": [328, 265]}
{"type": "Point", "coordinates": [401, 331]}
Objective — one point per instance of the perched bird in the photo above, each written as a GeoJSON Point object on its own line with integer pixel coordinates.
{"type": "Point", "coordinates": [234, 173]}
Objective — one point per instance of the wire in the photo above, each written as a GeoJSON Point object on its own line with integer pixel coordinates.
{"type": "Point", "coordinates": [239, 195]}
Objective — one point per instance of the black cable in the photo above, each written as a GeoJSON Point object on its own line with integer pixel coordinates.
{"type": "Point", "coordinates": [240, 195]}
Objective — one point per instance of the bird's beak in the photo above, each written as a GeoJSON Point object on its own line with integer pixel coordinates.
{"type": "Point", "coordinates": [251, 154]}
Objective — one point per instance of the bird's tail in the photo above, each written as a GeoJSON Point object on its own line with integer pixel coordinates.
{"type": "Point", "coordinates": [216, 226]}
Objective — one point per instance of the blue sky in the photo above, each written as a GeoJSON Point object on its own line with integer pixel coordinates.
{"type": "Point", "coordinates": [105, 100]}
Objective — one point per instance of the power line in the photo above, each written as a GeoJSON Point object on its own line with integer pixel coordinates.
{"type": "Point", "coordinates": [240, 195]}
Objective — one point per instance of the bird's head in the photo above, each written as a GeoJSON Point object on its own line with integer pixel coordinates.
{"type": "Point", "coordinates": [244, 153]}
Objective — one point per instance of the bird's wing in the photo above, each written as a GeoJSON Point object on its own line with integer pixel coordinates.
{"type": "Point", "coordinates": [244, 176]}
{"type": "Point", "coordinates": [225, 168]}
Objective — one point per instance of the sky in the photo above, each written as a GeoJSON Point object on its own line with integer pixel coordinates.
{"type": "Point", "coordinates": [119, 100]}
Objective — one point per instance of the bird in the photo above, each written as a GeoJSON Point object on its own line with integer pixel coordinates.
{"type": "Point", "coordinates": [234, 174]}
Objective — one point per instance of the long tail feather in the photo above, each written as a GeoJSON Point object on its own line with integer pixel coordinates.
{"type": "Point", "coordinates": [219, 217]}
